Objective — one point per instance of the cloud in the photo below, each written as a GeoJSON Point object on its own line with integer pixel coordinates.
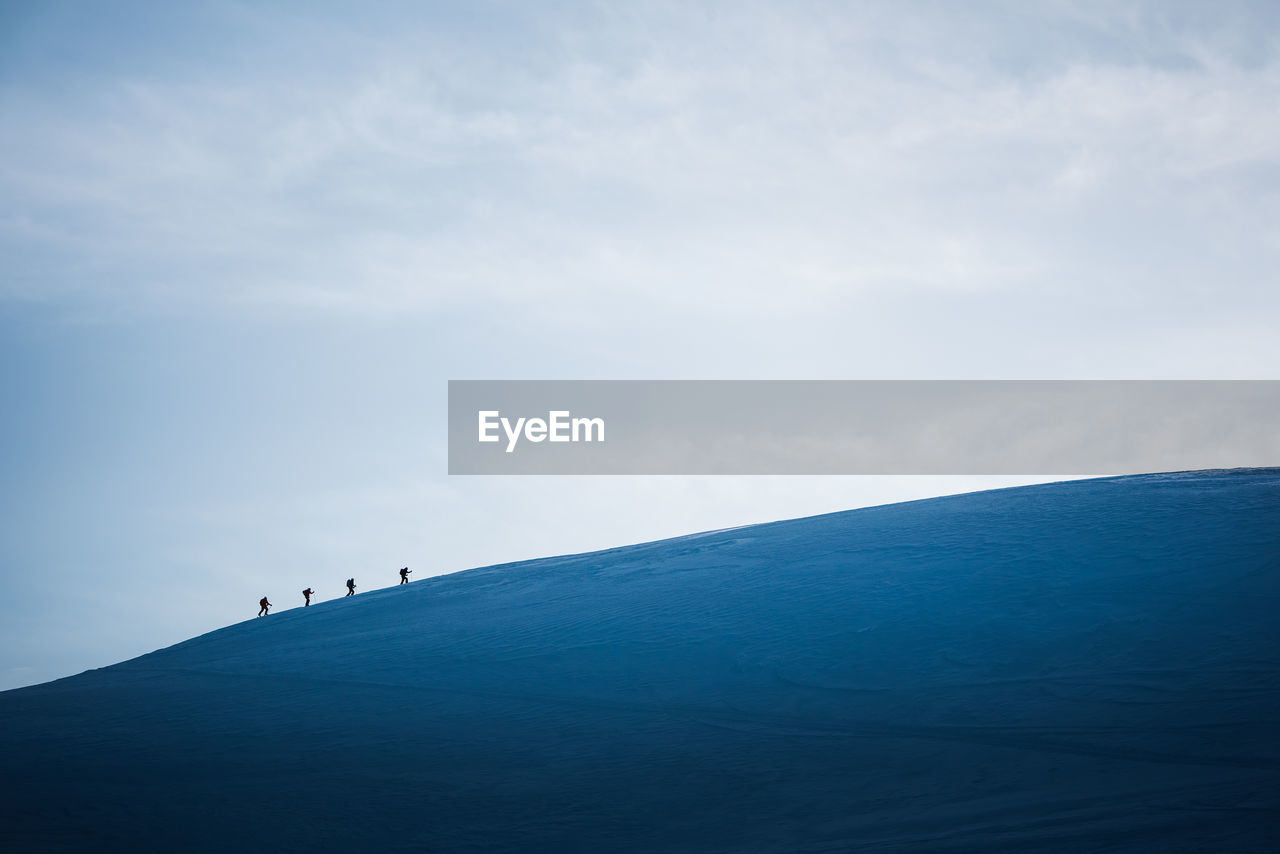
{"type": "Point", "coordinates": [776, 156]}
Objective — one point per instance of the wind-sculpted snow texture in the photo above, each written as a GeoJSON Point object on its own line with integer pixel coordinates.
{"type": "Point", "coordinates": [1086, 666]}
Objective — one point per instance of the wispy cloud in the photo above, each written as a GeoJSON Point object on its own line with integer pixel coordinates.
{"type": "Point", "coordinates": [771, 154]}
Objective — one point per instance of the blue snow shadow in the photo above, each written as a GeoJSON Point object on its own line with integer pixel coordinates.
{"type": "Point", "coordinates": [1081, 666]}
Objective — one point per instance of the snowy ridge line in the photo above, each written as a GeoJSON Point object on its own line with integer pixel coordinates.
{"type": "Point", "coordinates": [1080, 666]}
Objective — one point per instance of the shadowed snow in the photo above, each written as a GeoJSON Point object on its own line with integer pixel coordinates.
{"type": "Point", "coordinates": [1079, 666]}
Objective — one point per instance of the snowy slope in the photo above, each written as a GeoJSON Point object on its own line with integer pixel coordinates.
{"type": "Point", "coordinates": [1085, 666]}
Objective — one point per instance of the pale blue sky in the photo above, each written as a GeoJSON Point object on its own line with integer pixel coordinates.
{"type": "Point", "coordinates": [244, 246]}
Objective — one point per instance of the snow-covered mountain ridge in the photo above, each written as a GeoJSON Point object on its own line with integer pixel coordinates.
{"type": "Point", "coordinates": [1091, 665]}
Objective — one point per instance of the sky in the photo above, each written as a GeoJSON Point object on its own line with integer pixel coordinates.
{"type": "Point", "coordinates": [243, 248]}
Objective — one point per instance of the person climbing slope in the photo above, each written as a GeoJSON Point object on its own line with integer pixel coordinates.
{"type": "Point", "coordinates": [351, 586]}
{"type": "Point", "coordinates": [307, 593]}
{"type": "Point", "coordinates": [263, 606]}
{"type": "Point", "coordinates": [404, 574]}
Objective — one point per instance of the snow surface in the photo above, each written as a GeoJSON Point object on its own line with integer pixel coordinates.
{"type": "Point", "coordinates": [1084, 666]}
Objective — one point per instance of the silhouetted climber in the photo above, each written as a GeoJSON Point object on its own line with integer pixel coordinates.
{"type": "Point", "coordinates": [351, 586]}
{"type": "Point", "coordinates": [404, 575]}
{"type": "Point", "coordinates": [307, 593]}
{"type": "Point", "coordinates": [263, 605]}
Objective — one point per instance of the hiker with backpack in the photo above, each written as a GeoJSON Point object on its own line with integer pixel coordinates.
{"type": "Point", "coordinates": [263, 605]}
{"type": "Point", "coordinates": [351, 586]}
{"type": "Point", "coordinates": [404, 575]}
{"type": "Point", "coordinates": [307, 593]}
